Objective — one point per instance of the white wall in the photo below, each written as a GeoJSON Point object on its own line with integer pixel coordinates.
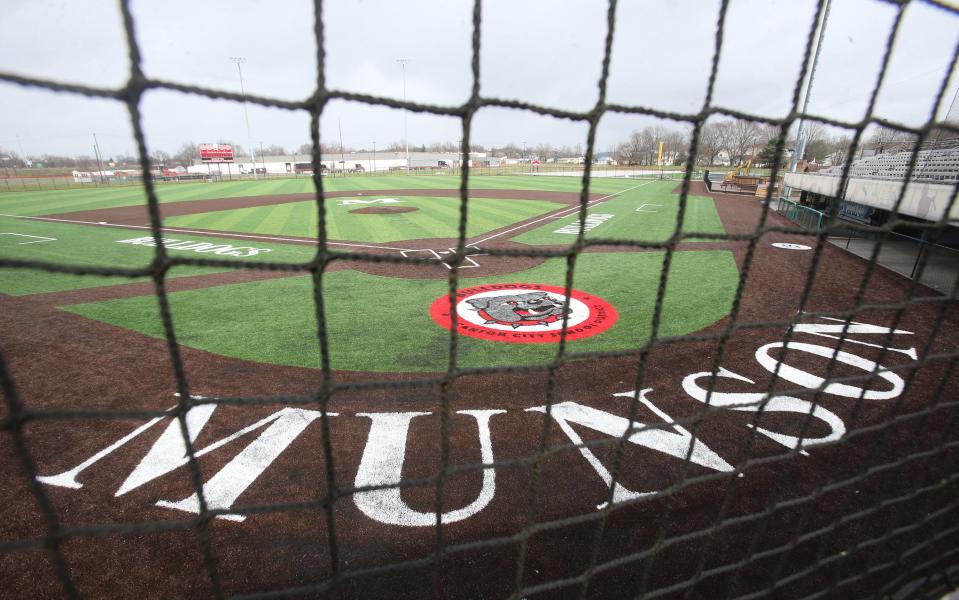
{"type": "Point", "coordinates": [922, 200]}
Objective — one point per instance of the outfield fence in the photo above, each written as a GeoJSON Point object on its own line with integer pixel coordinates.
{"type": "Point", "coordinates": [40, 183]}
{"type": "Point", "coordinates": [913, 527]}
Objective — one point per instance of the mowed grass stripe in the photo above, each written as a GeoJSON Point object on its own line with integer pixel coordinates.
{"type": "Point", "coordinates": [275, 320]}
{"type": "Point", "coordinates": [645, 214]}
{"type": "Point", "coordinates": [96, 196]}
{"type": "Point", "coordinates": [83, 245]}
{"type": "Point", "coordinates": [435, 218]}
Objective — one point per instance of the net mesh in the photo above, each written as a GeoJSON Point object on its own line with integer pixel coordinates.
{"type": "Point", "coordinates": [921, 514]}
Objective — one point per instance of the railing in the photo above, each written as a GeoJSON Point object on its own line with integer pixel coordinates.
{"type": "Point", "coordinates": [933, 265]}
{"type": "Point", "coordinates": [805, 217]}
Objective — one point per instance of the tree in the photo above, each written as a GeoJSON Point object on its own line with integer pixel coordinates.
{"type": "Point", "coordinates": [710, 143]}
{"type": "Point", "coordinates": [884, 139]}
{"type": "Point", "coordinates": [11, 159]}
{"type": "Point", "coordinates": [769, 153]}
{"type": "Point", "coordinates": [273, 150]}
{"type": "Point", "coordinates": [187, 153]}
{"type": "Point", "coordinates": [742, 139]}
{"type": "Point", "coordinates": [676, 147]}
{"type": "Point", "coordinates": [841, 149]}
{"type": "Point", "coordinates": [629, 152]}
{"type": "Point", "coordinates": [159, 158]}
{"type": "Point", "coordinates": [819, 144]}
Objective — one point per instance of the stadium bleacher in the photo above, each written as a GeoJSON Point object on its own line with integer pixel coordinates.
{"type": "Point", "coordinates": [939, 165]}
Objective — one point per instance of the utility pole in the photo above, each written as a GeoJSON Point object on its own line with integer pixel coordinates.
{"type": "Point", "coordinates": [406, 139]}
{"type": "Point", "coordinates": [262, 159]}
{"type": "Point", "coordinates": [374, 156]}
{"type": "Point", "coordinates": [96, 153]}
{"type": "Point", "coordinates": [23, 156]}
{"type": "Point", "coordinates": [339, 125]}
{"type": "Point", "coordinates": [246, 115]}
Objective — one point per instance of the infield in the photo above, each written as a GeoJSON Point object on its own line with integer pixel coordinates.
{"type": "Point", "coordinates": [383, 323]}
{"type": "Point", "coordinates": [432, 217]}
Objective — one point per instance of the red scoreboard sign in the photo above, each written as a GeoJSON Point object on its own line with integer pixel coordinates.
{"type": "Point", "coordinates": [216, 153]}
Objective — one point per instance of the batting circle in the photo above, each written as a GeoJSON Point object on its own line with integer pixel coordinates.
{"type": "Point", "coordinates": [589, 315]}
{"type": "Point", "coordinates": [790, 246]}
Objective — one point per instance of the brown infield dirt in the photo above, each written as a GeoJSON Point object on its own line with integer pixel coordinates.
{"type": "Point", "coordinates": [782, 517]}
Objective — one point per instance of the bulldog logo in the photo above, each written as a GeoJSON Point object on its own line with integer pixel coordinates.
{"type": "Point", "coordinates": [524, 313]}
{"type": "Point", "coordinates": [516, 310]}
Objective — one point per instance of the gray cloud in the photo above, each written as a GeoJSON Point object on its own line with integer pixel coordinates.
{"type": "Point", "coordinates": [547, 53]}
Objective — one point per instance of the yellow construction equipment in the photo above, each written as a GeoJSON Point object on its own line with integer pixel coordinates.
{"type": "Point", "coordinates": [742, 170]}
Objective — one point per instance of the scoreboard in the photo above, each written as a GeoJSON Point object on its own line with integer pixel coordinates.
{"type": "Point", "coordinates": [216, 153]}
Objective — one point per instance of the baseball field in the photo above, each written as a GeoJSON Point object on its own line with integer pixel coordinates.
{"type": "Point", "coordinates": [686, 360]}
{"type": "Point", "coordinates": [375, 321]}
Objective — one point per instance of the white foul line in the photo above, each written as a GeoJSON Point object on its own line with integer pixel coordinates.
{"type": "Point", "coordinates": [559, 214]}
{"type": "Point", "coordinates": [39, 239]}
{"type": "Point", "coordinates": [198, 232]}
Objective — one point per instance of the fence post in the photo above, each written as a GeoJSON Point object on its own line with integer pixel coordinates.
{"type": "Point", "coordinates": [922, 248]}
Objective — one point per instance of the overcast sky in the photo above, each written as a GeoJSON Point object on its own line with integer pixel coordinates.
{"type": "Point", "coordinates": [544, 52]}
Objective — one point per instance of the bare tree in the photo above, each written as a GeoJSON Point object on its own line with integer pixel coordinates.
{"type": "Point", "coordinates": [841, 149]}
{"type": "Point", "coordinates": [743, 137]}
{"type": "Point", "coordinates": [186, 154]}
{"type": "Point", "coordinates": [630, 151]}
{"type": "Point", "coordinates": [819, 143]}
{"type": "Point", "coordinates": [884, 139]}
{"type": "Point", "coordinates": [711, 143]}
{"type": "Point", "coordinates": [676, 147]}
{"type": "Point", "coordinates": [159, 158]}
{"type": "Point", "coordinates": [9, 158]}
{"type": "Point", "coordinates": [274, 150]}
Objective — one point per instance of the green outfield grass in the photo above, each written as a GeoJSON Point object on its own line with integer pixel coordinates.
{"type": "Point", "coordinates": [382, 324]}
{"type": "Point", "coordinates": [95, 197]}
{"type": "Point", "coordinates": [644, 214]}
{"type": "Point", "coordinates": [434, 218]}
{"type": "Point", "coordinates": [86, 246]}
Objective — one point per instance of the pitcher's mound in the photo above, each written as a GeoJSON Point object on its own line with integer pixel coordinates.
{"type": "Point", "coordinates": [383, 210]}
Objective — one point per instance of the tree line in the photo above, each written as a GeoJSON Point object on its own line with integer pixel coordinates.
{"type": "Point", "coordinates": [739, 139]}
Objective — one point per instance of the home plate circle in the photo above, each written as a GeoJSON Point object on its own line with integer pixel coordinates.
{"type": "Point", "coordinates": [788, 246]}
{"type": "Point", "coordinates": [524, 313]}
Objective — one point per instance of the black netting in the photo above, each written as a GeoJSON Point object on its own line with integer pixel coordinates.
{"type": "Point", "coordinates": [925, 514]}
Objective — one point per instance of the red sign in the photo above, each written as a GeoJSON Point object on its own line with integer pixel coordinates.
{"type": "Point", "coordinates": [524, 313]}
{"type": "Point", "coordinates": [216, 153]}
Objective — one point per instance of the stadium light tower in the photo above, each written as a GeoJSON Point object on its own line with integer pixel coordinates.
{"type": "Point", "coordinates": [239, 60]}
{"type": "Point", "coordinates": [406, 139]}
{"type": "Point", "coordinates": [807, 88]}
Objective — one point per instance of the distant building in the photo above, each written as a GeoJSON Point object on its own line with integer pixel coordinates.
{"type": "Point", "coordinates": [349, 162]}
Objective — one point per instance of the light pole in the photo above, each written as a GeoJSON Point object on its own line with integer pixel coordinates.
{"type": "Point", "coordinates": [246, 115]}
{"type": "Point", "coordinates": [406, 139]}
{"type": "Point", "coordinates": [374, 157]}
{"type": "Point", "coordinates": [524, 151]}
{"type": "Point", "coordinates": [807, 88]}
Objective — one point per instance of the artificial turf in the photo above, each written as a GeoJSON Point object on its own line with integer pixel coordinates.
{"type": "Point", "coordinates": [382, 324]}
{"type": "Point", "coordinates": [645, 213]}
{"type": "Point", "coordinates": [433, 218]}
{"type": "Point", "coordinates": [86, 246]}
{"type": "Point", "coordinates": [43, 202]}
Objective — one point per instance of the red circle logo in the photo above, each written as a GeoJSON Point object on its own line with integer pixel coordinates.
{"type": "Point", "coordinates": [524, 313]}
